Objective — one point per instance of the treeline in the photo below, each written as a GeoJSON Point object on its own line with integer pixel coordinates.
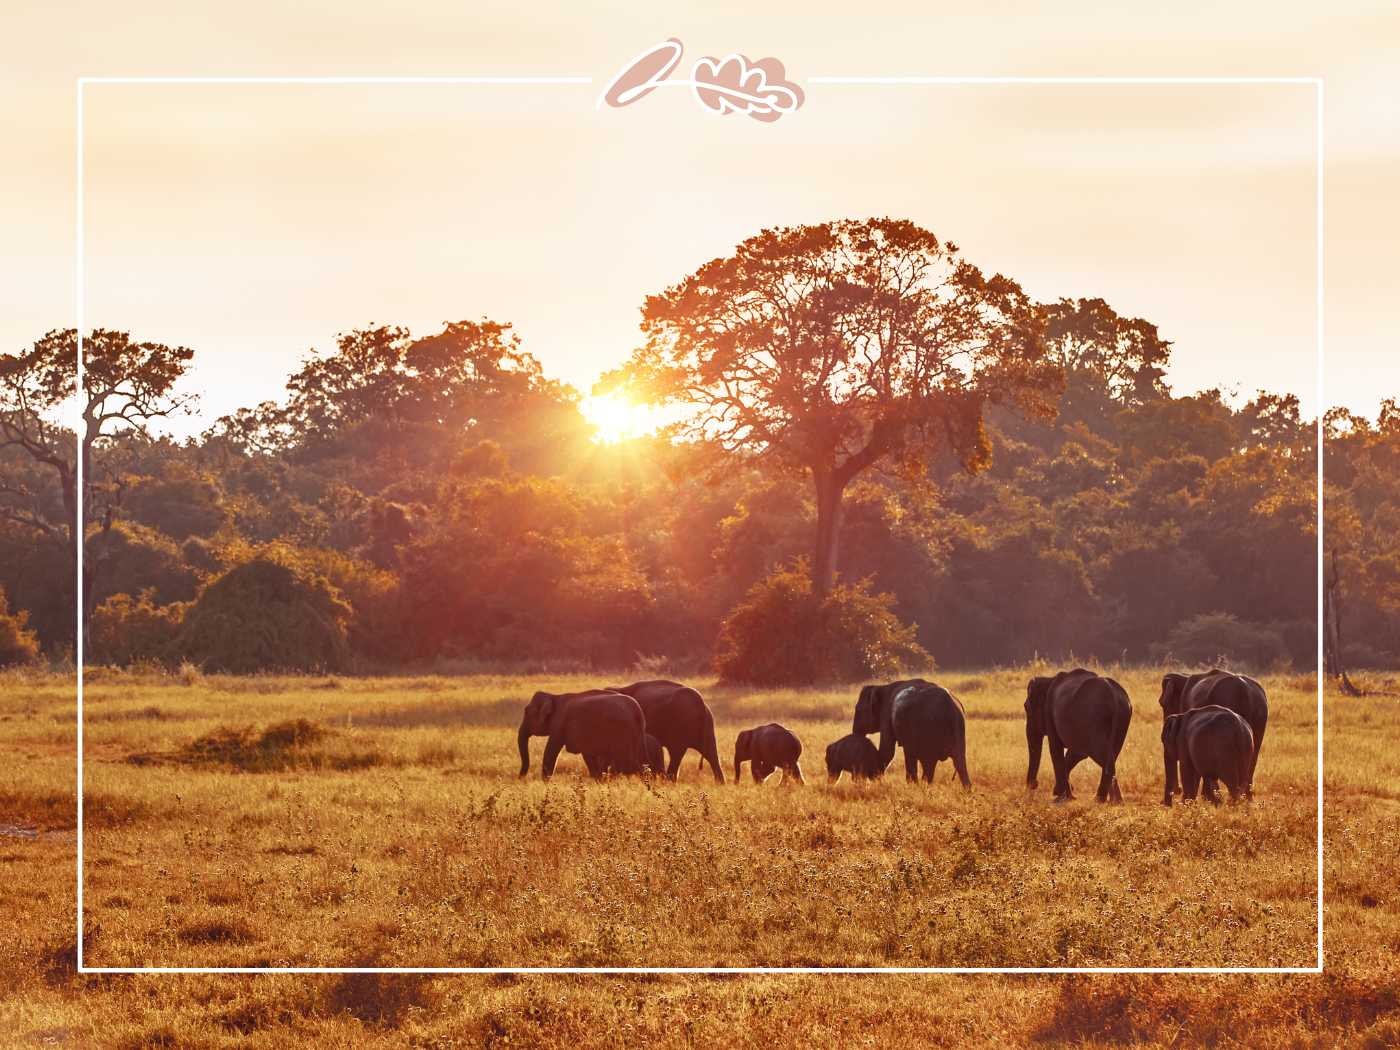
{"type": "Point", "coordinates": [890, 457]}
{"type": "Point", "coordinates": [414, 500]}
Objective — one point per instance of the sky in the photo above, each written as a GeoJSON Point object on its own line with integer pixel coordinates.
{"type": "Point", "coordinates": [255, 222]}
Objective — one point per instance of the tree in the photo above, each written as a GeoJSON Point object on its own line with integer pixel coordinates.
{"type": "Point", "coordinates": [829, 349]}
{"type": "Point", "coordinates": [126, 385]}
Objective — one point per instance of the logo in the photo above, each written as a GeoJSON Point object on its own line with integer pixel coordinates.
{"type": "Point", "coordinates": [732, 84]}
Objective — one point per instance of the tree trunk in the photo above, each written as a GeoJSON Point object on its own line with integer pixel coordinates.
{"type": "Point", "coordinates": [829, 492]}
{"type": "Point", "coordinates": [1333, 663]}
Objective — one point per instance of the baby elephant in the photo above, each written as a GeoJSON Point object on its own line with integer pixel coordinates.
{"type": "Point", "coordinates": [1210, 742]}
{"type": "Point", "coordinates": [853, 754]}
{"type": "Point", "coordinates": [768, 748]}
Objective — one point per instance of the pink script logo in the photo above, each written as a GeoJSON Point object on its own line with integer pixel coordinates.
{"type": "Point", "coordinates": [733, 84]}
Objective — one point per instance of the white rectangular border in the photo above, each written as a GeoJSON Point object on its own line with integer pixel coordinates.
{"type": "Point", "coordinates": [80, 259]}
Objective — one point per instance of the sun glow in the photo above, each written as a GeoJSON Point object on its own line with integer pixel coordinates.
{"type": "Point", "coordinates": [616, 418]}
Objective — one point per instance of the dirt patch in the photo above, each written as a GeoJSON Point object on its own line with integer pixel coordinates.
{"type": "Point", "coordinates": [295, 744]}
{"type": "Point", "coordinates": [218, 931]}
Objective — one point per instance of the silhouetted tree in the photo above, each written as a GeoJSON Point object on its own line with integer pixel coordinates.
{"type": "Point", "coordinates": [828, 349]}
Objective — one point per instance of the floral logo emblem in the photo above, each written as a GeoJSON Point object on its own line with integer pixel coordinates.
{"type": "Point", "coordinates": [733, 84]}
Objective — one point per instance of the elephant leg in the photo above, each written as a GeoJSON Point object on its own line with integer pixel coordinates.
{"type": "Point", "coordinates": [761, 771]}
{"type": "Point", "coordinates": [551, 756]}
{"type": "Point", "coordinates": [930, 764]}
{"type": "Point", "coordinates": [1210, 789]}
{"type": "Point", "coordinates": [911, 766]}
{"type": "Point", "coordinates": [595, 766]}
{"type": "Point", "coordinates": [673, 767]}
{"type": "Point", "coordinates": [795, 771]}
{"type": "Point", "coordinates": [1253, 762]}
{"type": "Point", "coordinates": [1108, 783]}
{"type": "Point", "coordinates": [1190, 781]}
{"type": "Point", "coordinates": [1117, 795]}
{"type": "Point", "coordinates": [1057, 760]}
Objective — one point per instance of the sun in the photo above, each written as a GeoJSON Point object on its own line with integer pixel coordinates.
{"type": "Point", "coordinates": [616, 418]}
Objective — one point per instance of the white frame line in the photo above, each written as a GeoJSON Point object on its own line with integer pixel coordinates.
{"type": "Point", "coordinates": [875, 80]}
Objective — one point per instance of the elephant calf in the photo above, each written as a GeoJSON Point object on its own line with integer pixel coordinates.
{"type": "Point", "coordinates": [767, 748]}
{"type": "Point", "coordinates": [1210, 742]}
{"type": "Point", "coordinates": [853, 754]}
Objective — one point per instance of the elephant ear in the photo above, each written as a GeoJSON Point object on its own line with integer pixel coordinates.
{"type": "Point", "coordinates": [1171, 688]}
{"type": "Point", "coordinates": [1171, 730]}
{"type": "Point", "coordinates": [865, 710]}
{"type": "Point", "coordinates": [548, 702]}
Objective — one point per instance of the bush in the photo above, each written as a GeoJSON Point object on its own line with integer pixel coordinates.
{"type": "Point", "coordinates": [783, 634]}
{"type": "Point", "coordinates": [18, 644]}
{"type": "Point", "coordinates": [1222, 637]}
{"type": "Point", "coordinates": [124, 630]}
{"type": "Point", "coordinates": [266, 615]}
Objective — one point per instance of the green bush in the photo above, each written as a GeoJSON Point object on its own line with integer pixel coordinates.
{"type": "Point", "coordinates": [18, 644]}
{"type": "Point", "coordinates": [267, 615]}
{"type": "Point", "coordinates": [783, 634]}
{"type": "Point", "coordinates": [1221, 637]}
{"type": "Point", "coordinates": [125, 630]}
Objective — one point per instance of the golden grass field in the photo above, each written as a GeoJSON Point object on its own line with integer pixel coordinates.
{"type": "Point", "coordinates": [403, 837]}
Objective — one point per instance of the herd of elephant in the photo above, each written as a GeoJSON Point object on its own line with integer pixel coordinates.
{"type": "Point", "coordinates": [1212, 730]}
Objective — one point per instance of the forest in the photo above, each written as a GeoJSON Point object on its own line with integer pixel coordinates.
{"type": "Point", "coordinates": [435, 500]}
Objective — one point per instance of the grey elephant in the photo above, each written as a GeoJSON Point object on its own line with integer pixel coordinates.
{"type": "Point", "coordinates": [680, 719]}
{"type": "Point", "coordinates": [766, 748]}
{"type": "Point", "coordinates": [1240, 693]}
{"type": "Point", "coordinates": [853, 754]}
{"type": "Point", "coordinates": [605, 727]}
{"type": "Point", "coordinates": [924, 719]}
{"type": "Point", "coordinates": [1082, 715]}
{"type": "Point", "coordinates": [1210, 743]}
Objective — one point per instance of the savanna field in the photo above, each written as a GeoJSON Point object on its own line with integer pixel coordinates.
{"type": "Point", "coordinates": [389, 828]}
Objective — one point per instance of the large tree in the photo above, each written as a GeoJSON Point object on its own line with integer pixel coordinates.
{"type": "Point", "coordinates": [830, 349]}
{"type": "Point", "coordinates": [126, 385]}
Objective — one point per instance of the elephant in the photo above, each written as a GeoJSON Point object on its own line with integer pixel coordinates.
{"type": "Point", "coordinates": [1084, 715]}
{"type": "Point", "coordinates": [680, 719]}
{"type": "Point", "coordinates": [853, 754]}
{"type": "Point", "coordinates": [925, 719]}
{"type": "Point", "coordinates": [1240, 693]}
{"type": "Point", "coordinates": [605, 727]}
{"type": "Point", "coordinates": [1210, 742]}
{"type": "Point", "coordinates": [656, 759]}
{"type": "Point", "coordinates": [766, 748]}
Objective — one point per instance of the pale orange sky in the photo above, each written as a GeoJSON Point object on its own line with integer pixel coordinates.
{"type": "Point", "coordinates": [253, 223]}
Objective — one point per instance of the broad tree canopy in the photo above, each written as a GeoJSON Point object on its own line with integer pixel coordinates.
{"type": "Point", "coordinates": [830, 348]}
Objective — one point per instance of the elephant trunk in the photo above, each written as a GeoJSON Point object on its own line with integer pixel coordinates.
{"type": "Point", "coordinates": [524, 740]}
{"type": "Point", "coordinates": [1035, 745]}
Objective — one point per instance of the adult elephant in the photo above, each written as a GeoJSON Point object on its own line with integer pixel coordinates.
{"type": "Point", "coordinates": [605, 727]}
{"type": "Point", "coordinates": [1082, 715]}
{"type": "Point", "coordinates": [924, 719]}
{"type": "Point", "coordinates": [1236, 692]}
{"type": "Point", "coordinates": [680, 719]}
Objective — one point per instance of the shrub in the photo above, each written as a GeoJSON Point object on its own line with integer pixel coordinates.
{"type": "Point", "coordinates": [18, 644]}
{"type": "Point", "coordinates": [124, 630]}
{"type": "Point", "coordinates": [266, 615]}
{"type": "Point", "coordinates": [1215, 637]}
{"type": "Point", "coordinates": [783, 634]}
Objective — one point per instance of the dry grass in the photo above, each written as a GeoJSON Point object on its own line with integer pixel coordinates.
{"type": "Point", "coordinates": [262, 845]}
